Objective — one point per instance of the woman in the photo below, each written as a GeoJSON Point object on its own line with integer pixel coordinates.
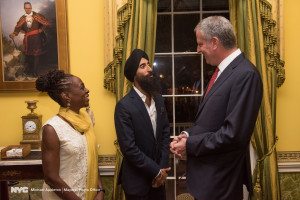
{"type": "Point", "coordinates": [69, 156]}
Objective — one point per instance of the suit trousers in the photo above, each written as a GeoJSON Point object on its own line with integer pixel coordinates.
{"type": "Point", "coordinates": [153, 194]}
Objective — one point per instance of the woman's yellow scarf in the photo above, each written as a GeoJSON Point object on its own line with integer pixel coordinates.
{"type": "Point", "coordinates": [83, 124]}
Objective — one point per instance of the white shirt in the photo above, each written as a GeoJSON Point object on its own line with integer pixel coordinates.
{"type": "Point", "coordinates": [222, 66]}
{"type": "Point", "coordinates": [29, 19]}
{"type": "Point", "coordinates": [151, 110]}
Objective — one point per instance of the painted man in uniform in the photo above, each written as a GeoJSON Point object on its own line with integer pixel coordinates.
{"type": "Point", "coordinates": [33, 25]}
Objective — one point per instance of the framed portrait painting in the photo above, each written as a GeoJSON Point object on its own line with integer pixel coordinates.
{"type": "Point", "coordinates": [34, 41]}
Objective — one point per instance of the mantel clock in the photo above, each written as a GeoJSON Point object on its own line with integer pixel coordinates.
{"type": "Point", "coordinates": [32, 124]}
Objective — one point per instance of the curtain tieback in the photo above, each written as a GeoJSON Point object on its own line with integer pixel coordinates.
{"type": "Point", "coordinates": [269, 153]}
{"type": "Point", "coordinates": [257, 186]}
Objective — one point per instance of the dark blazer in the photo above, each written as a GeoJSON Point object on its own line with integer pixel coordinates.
{"type": "Point", "coordinates": [144, 155]}
{"type": "Point", "coordinates": [218, 161]}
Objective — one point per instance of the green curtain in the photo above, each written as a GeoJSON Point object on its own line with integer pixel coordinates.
{"type": "Point", "coordinates": [140, 33]}
{"type": "Point", "coordinates": [136, 29]}
{"type": "Point", "coordinates": [257, 37]}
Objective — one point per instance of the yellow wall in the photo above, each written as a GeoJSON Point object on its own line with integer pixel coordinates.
{"type": "Point", "coordinates": [288, 96]}
{"type": "Point", "coordinates": [86, 47]}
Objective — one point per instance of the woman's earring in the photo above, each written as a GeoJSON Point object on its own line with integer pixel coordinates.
{"type": "Point", "coordinates": [68, 105]}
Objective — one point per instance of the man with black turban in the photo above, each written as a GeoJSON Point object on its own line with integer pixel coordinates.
{"type": "Point", "coordinates": [143, 132]}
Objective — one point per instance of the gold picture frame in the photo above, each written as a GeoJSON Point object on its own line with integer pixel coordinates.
{"type": "Point", "coordinates": [12, 75]}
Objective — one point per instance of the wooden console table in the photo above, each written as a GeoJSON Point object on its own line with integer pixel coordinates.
{"type": "Point", "coordinates": [29, 168]}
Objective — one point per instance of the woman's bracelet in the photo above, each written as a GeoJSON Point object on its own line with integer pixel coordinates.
{"type": "Point", "coordinates": [100, 189]}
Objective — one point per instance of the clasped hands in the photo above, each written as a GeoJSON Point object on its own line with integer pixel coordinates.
{"type": "Point", "coordinates": [178, 145]}
{"type": "Point", "coordinates": [160, 179]}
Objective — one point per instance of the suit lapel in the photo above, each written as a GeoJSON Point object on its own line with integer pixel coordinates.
{"type": "Point", "coordinates": [224, 75]}
{"type": "Point", "coordinates": [137, 101]}
{"type": "Point", "coordinates": [159, 112]}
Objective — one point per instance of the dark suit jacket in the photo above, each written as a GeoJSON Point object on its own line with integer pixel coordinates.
{"type": "Point", "coordinates": [144, 155]}
{"type": "Point", "coordinates": [218, 161]}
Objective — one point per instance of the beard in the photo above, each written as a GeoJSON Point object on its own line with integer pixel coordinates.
{"type": "Point", "coordinates": [150, 84]}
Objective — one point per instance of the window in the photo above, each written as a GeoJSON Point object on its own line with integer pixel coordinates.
{"type": "Point", "coordinates": [182, 71]}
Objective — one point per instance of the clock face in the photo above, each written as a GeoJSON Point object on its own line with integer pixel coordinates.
{"type": "Point", "coordinates": [30, 126]}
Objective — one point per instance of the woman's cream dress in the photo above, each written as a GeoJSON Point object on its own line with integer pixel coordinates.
{"type": "Point", "coordinates": [73, 159]}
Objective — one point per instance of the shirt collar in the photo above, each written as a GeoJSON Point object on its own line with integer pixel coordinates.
{"type": "Point", "coordinates": [30, 14]}
{"type": "Point", "coordinates": [143, 97]}
{"type": "Point", "coordinates": [228, 60]}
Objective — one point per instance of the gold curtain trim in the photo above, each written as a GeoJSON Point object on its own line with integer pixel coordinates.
{"type": "Point", "coordinates": [116, 143]}
{"type": "Point", "coordinates": [271, 41]}
{"type": "Point", "coordinates": [110, 71]}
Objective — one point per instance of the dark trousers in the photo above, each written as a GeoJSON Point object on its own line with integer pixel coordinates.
{"type": "Point", "coordinates": [153, 194]}
{"type": "Point", "coordinates": [32, 64]}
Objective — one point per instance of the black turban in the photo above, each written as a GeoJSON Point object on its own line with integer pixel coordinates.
{"type": "Point", "coordinates": [132, 63]}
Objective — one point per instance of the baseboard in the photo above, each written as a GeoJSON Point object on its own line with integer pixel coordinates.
{"type": "Point", "coordinates": [288, 161]}
{"type": "Point", "coordinates": [107, 164]}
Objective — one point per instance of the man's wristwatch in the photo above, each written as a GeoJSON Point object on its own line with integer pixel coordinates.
{"type": "Point", "coordinates": [101, 190]}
